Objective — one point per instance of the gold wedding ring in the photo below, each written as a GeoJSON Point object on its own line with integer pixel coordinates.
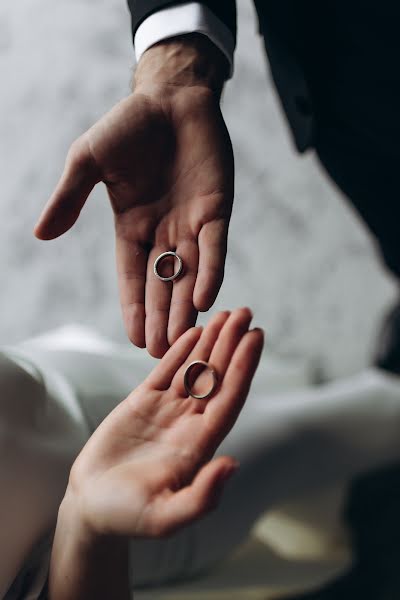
{"type": "Point", "coordinates": [186, 381]}
{"type": "Point", "coordinates": [160, 258]}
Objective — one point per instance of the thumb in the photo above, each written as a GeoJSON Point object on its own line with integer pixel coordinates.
{"type": "Point", "coordinates": [197, 499]}
{"type": "Point", "coordinates": [80, 176]}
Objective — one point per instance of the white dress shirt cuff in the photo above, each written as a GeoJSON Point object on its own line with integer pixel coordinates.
{"type": "Point", "coordinates": [189, 17]}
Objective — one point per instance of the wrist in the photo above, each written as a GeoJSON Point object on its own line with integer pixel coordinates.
{"type": "Point", "coordinates": [83, 520]}
{"type": "Point", "coordinates": [85, 564]}
{"type": "Point", "coordinates": [184, 61]}
{"type": "Point", "coordinates": [72, 522]}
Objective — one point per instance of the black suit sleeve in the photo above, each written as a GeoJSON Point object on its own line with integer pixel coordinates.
{"type": "Point", "coordinates": [225, 10]}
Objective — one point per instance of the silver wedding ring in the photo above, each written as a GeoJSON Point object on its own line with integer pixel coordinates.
{"type": "Point", "coordinates": [186, 381]}
{"type": "Point", "coordinates": [160, 258]}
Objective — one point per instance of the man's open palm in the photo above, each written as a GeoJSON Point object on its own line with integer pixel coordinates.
{"type": "Point", "coordinates": [167, 162]}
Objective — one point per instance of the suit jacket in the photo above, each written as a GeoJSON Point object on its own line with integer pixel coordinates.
{"type": "Point", "coordinates": [283, 26]}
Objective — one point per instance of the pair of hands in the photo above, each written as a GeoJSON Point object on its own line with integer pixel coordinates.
{"type": "Point", "coordinates": [165, 156]}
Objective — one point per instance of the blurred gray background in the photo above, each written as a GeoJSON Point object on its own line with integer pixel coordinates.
{"type": "Point", "coordinates": [298, 256]}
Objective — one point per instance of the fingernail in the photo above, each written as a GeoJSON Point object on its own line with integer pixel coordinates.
{"type": "Point", "coordinates": [220, 485]}
{"type": "Point", "coordinates": [260, 329]}
{"type": "Point", "coordinates": [248, 309]}
{"type": "Point", "coordinates": [229, 471]}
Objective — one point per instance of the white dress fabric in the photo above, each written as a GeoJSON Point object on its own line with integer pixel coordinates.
{"type": "Point", "coordinates": [293, 446]}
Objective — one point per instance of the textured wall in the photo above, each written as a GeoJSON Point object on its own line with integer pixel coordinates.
{"type": "Point", "coordinates": [298, 256]}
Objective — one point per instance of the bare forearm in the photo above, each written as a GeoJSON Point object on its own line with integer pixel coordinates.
{"type": "Point", "coordinates": [85, 566]}
{"type": "Point", "coordinates": [189, 60]}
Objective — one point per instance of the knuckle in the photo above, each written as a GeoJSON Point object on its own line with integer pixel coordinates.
{"type": "Point", "coordinates": [78, 154]}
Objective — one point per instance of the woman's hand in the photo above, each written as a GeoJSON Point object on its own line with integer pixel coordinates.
{"type": "Point", "coordinates": [148, 469]}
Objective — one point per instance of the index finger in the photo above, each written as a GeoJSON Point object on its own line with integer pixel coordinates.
{"type": "Point", "coordinates": [222, 411]}
{"type": "Point", "coordinates": [131, 268]}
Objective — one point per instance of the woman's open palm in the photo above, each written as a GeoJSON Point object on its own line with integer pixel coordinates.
{"type": "Point", "coordinates": [147, 470]}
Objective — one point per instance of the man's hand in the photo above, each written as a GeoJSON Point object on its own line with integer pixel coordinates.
{"type": "Point", "coordinates": [147, 470]}
{"type": "Point", "coordinates": [165, 156]}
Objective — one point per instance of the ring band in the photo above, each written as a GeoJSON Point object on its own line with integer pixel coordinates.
{"type": "Point", "coordinates": [161, 258]}
{"type": "Point", "coordinates": [187, 384]}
